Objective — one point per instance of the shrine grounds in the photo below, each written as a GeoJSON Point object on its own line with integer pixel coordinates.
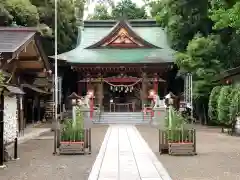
{"type": "Point", "coordinates": [38, 163]}
{"type": "Point", "coordinates": [218, 158]}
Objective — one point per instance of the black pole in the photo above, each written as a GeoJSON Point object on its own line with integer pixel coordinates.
{"type": "Point", "coordinates": [16, 148]}
{"type": "Point", "coordinates": [1, 130]}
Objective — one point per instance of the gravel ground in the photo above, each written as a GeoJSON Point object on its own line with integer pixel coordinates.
{"type": "Point", "coordinates": [37, 162]}
{"type": "Point", "coordinates": [218, 156]}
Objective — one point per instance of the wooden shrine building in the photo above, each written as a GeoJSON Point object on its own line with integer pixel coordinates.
{"type": "Point", "coordinates": [26, 69]}
{"type": "Point", "coordinates": [120, 61]}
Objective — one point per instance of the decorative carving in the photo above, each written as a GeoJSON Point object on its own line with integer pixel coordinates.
{"type": "Point", "coordinates": [122, 38]}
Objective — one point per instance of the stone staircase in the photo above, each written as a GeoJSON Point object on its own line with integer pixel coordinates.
{"type": "Point", "coordinates": [123, 118]}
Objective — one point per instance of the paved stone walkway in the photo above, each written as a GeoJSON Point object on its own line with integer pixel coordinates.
{"type": "Point", "coordinates": [124, 155]}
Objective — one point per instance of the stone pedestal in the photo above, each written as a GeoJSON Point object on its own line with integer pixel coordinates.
{"type": "Point", "coordinates": [87, 120]}
{"type": "Point", "coordinates": [100, 93]}
{"type": "Point", "coordinates": [159, 117]}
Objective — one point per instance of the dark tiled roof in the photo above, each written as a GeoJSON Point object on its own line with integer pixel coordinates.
{"type": "Point", "coordinates": [230, 72]}
{"type": "Point", "coordinates": [12, 38]}
{"type": "Point", "coordinates": [13, 89]}
{"type": "Point", "coordinates": [227, 74]}
{"type": "Point", "coordinates": [33, 88]}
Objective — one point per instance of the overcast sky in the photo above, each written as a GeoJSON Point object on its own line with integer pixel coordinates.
{"type": "Point", "coordinates": [91, 6]}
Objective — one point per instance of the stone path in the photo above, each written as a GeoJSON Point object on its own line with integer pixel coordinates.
{"type": "Point", "coordinates": [30, 133]}
{"type": "Point", "coordinates": [124, 155]}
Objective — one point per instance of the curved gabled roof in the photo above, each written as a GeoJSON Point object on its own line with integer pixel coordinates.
{"type": "Point", "coordinates": [95, 32]}
{"type": "Point", "coordinates": [125, 25]}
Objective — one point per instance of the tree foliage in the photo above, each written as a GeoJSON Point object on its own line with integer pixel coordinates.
{"type": "Point", "coordinates": [224, 101]}
{"type": "Point", "coordinates": [41, 14]}
{"type": "Point", "coordinates": [213, 102]}
{"type": "Point", "coordinates": [100, 13]}
{"type": "Point", "coordinates": [205, 35]}
{"type": "Point", "coordinates": [123, 9]}
{"type": "Point", "coordinates": [129, 10]}
{"type": "Point", "coordinates": [202, 59]}
{"type": "Point", "coordinates": [234, 109]}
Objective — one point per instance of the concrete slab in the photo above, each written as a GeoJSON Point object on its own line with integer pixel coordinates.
{"type": "Point", "coordinates": [125, 155]}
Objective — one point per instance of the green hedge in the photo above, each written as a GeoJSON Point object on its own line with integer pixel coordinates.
{"type": "Point", "coordinates": [213, 103]}
{"type": "Point", "coordinates": [223, 105]}
{"type": "Point", "coordinates": [234, 109]}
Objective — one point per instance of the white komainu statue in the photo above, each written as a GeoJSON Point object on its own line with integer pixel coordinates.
{"type": "Point", "coordinates": [84, 102]}
{"type": "Point", "coordinates": [157, 102]}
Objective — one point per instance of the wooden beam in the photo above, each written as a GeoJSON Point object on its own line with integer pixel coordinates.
{"type": "Point", "coordinates": [29, 58]}
{"type": "Point", "coordinates": [30, 65]}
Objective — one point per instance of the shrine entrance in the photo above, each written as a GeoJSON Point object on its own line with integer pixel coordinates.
{"type": "Point", "coordinates": [121, 93]}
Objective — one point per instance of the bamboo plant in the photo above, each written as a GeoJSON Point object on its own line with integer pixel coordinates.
{"type": "Point", "coordinates": [176, 127]}
{"type": "Point", "coordinates": [73, 131]}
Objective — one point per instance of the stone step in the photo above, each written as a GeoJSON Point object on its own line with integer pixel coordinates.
{"type": "Point", "coordinates": [122, 117]}
{"type": "Point", "coordinates": [108, 114]}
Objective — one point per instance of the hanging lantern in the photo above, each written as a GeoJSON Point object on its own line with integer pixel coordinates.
{"type": "Point", "coordinates": [111, 88]}
{"type": "Point", "coordinates": [121, 88]}
{"type": "Point", "coordinates": [116, 88]}
{"type": "Point", "coordinates": [127, 88]}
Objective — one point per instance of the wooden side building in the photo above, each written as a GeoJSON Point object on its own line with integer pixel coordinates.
{"type": "Point", "coordinates": [27, 77]}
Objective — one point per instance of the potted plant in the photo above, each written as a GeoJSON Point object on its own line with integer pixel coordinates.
{"type": "Point", "coordinates": [181, 138]}
{"type": "Point", "coordinates": [72, 134]}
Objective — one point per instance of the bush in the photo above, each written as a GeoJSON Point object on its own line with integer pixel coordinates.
{"type": "Point", "coordinates": [213, 103]}
{"type": "Point", "coordinates": [234, 109]}
{"type": "Point", "coordinates": [224, 101]}
{"type": "Point", "coordinates": [23, 12]}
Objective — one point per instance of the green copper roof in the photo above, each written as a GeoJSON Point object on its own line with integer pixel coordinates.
{"type": "Point", "coordinates": [94, 31]}
{"type": "Point", "coordinates": [117, 56]}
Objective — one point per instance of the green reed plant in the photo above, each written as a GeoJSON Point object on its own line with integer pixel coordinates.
{"type": "Point", "coordinates": [176, 126]}
{"type": "Point", "coordinates": [73, 131]}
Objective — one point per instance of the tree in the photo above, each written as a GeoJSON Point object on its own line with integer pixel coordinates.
{"type": "Point", "coordinates": [41, 14]}
{"type": "Point", "coordinates": [5, 17]}
{"type": "Point", "coordinates": [205, 35]}
{"type": "Point", "coordinates": [212, 105]}
{"type": "Point", "coordinates": [100, 13]}
{"type": "Point", "coordinates": [182, 19]}
{"type": "Point", "coordinates": [22, 12]}
{"type": "Point", "coordinates": [202, 60]}
{"type": "Point", "coordinates": [225, 14]}
{"type": "Point", "coordinates": [124, 9]}
{"type": "Point", "coordinates": [226, 18]}
{"type": "Point", "coordinates": [129, 10]}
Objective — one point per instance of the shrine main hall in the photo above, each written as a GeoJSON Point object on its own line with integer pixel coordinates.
{"type": "Point", "coordinates": [120, 62]}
